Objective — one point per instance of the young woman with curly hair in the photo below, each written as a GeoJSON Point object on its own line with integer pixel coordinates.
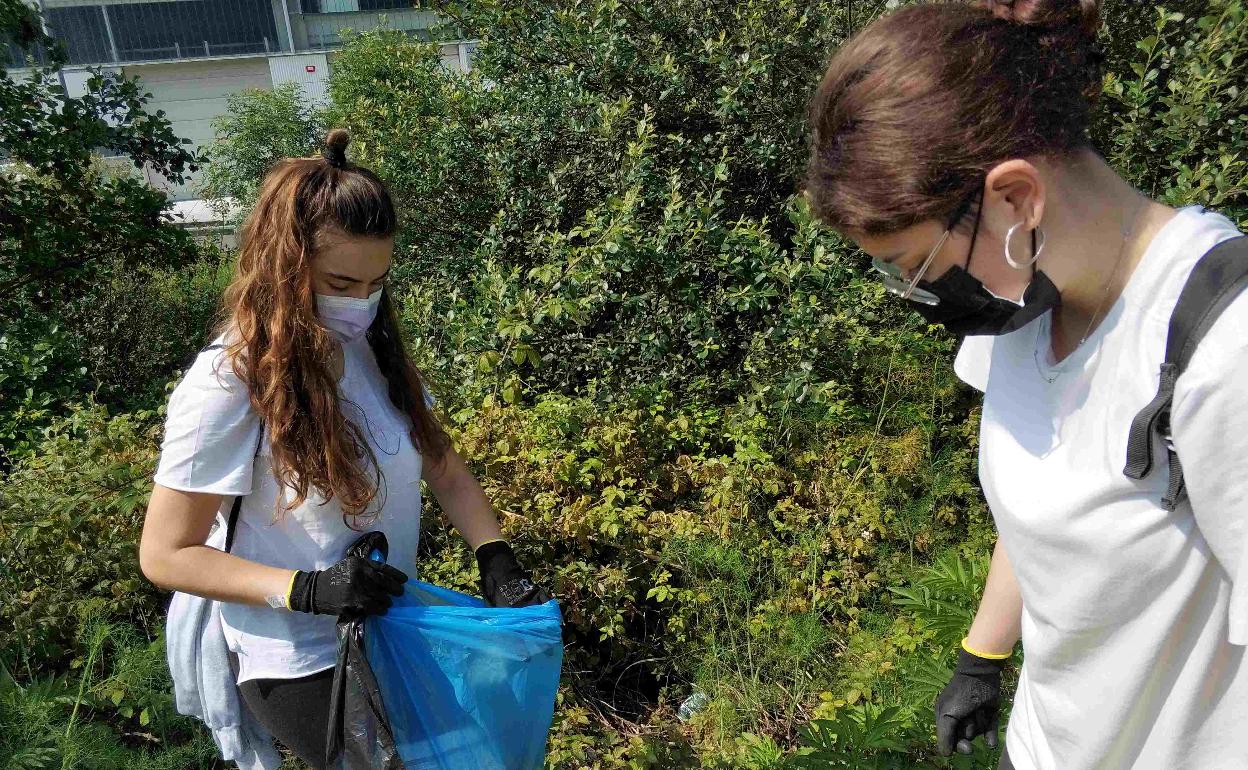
{"type": "Point", "coordinates": [308, 406]}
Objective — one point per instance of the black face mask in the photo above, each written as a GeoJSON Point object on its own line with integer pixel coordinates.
{"type": "Point", "coordinates": [966, 308]}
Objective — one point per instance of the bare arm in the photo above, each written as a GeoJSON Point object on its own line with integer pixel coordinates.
{"type": "Point", "coordinates": [463, 499]}
{"type": "Point", "coordinates": [172, 553]}
{"type": "Point", "coordinates": [997, 625]}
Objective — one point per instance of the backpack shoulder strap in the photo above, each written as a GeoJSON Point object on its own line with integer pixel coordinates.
{"type": "Point", "coordinates": [192, 357]}
{"type": "Point", "coordinates": [1215, 282]}
{"type": "Point", "coordinates": [232, 523]}
{"type": "Point", "coordinates": [238, 500]}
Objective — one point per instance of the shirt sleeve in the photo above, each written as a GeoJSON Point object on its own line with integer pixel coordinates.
{"type": "Point", "coordinates": [974, 361]}
{"type": "Point", "coordinates": [211, 431]}
{"type": "Point", "coordinates": [1209, 422]}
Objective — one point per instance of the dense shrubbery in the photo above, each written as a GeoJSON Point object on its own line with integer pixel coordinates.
{"type": "Point", "coordinates": [1178, 119]}
{"type": "Point", "coordinates": [261, 127]}
{"type": "Point", "coordinates": [69, 225]}
{"type": "Point", "coordinates": [717, 439]}
{"type": "Point", "coordinates": [170, 310]}
{"type": "Point", "coordinates": [71, 512]}
{"type": "Point", "coordinates": [605, 199]}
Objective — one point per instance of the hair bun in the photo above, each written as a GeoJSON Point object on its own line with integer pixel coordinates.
{"type": "Point", "coordinates": [1085, 15]}
{"type": "Point", "coordinates": [335, 150]}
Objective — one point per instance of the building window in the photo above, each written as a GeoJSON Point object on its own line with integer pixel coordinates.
{"type": "Point", "coordinates": [384, 5]}
{"type": "Point", "coordinates": [165, 30]}
{"type": "Point", "coordinates": [82, 31]}
{"type": "Point", "coordinates": [352, 6]}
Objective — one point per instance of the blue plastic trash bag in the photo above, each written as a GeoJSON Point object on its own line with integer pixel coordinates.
{"type": "Point", "coordinates": [466, 685]}
{"type": "Point", "coordinates": [460, 685]}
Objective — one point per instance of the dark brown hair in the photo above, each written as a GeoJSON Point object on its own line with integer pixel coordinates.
{"type": "Point", "coordinates": [282, 352]}
{"type": "Point", "coordinates": [917, 107]}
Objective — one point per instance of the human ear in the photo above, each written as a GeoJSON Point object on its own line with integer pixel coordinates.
{"type": "Point", "coordinates": [1014, 192]}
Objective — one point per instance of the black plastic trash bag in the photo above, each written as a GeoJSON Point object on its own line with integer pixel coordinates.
{"type": "Point", "coordinates": [359, 731]}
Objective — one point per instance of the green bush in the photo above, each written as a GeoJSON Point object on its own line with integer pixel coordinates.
{"type": "Point", "coordinates": [70, 518]}
{"type": "Point", "coordinates": [604, 201]}
{"type": "Point", "coordinates": [38, 376]}
{"type": "Point", "coordinates": [687, 558]}
{"type": "Point", "coordinates": [259, 129]}
{"type": "Point", "coordinates": [121, 340]}
{"type": "Point", "coordinates": [68, 221]}
{"type": "Point", "coordinates": [137, 328]}
{"type": "Point", "coordinates": [747, 472]}
{"type": "Point", "coordinates": [1180, 114]}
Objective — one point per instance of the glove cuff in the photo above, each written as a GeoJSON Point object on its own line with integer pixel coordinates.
{"type": "Point", "coordinates": [971, 664]}
{"type": "Point", "coordinates": [495, 554]}
{"type": "Point", "coordinates": [985, 655]}
{"type": "Point", "coordinates": [303, 592]}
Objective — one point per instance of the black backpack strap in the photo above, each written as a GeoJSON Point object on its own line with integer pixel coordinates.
{"type": "Point", "coordinates": [1215, 282]}
{"type": "Point", "coordinates": [232, 523]}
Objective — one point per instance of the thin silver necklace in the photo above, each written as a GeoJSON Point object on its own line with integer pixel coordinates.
{"type": "Point", "coordinates": [1127, 228]}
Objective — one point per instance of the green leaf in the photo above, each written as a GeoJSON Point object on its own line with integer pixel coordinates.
{"type": "Point", "coordinates": [7, 685]}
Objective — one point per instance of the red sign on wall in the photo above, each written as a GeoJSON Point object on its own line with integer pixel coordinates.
{"type": "Point", "coordinates": [309, 68]}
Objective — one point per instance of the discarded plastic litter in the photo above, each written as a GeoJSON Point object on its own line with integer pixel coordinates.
{"type": "Point", "coordinates": [692, 705]}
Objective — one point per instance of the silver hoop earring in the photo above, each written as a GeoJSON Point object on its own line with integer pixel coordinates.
{"type": "Point", "coordinates": [1009, 236]}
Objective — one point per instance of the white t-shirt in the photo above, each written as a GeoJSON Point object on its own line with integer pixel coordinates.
{"type": "Point", "coordinates": [1134, 617]}
{"type": "Point", "coordinates": [210, 441]}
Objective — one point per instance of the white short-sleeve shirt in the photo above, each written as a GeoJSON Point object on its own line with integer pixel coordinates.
{"type": "Point", "coordinates": [1134, 617]}
{"type": "Point", "coordinates": [210, 445]}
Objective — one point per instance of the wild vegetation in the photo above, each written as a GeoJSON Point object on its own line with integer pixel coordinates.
{"type": "Point", "coordinates": [748, 474]}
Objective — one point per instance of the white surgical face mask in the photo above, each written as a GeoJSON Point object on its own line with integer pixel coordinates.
{"type": "Point", "coordinates": [347, 318]}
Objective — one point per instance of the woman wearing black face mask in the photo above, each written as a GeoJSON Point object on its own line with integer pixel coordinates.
{"type": "Point", "coordinates": [950, 141]}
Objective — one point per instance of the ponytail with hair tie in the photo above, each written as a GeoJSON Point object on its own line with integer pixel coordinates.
{"type": "Point", "coordinates": [335, 149]}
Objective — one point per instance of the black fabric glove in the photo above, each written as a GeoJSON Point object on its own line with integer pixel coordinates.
{"type": "Point", "coordinates": [354, 586]}
{"type": "Point", "coordinates": [969, 704]}
{"type": "Point", "coordinates": [504, 583]}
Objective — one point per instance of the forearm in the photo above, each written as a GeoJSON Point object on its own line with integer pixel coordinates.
{"type": "Point", "coordinates": [997, 625]}
{"type": "Point", "coordinates": [504, 583]}
{"type": "Point", "coordinates": [207, 572]}
{"type": "Point", "coordinates": [465, 502]}
{"type": "Point", "coordinates": [471, 514]}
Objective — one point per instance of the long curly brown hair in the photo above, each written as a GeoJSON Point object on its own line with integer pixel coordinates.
{"type": "Point", "coordinates": [277, 346]}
